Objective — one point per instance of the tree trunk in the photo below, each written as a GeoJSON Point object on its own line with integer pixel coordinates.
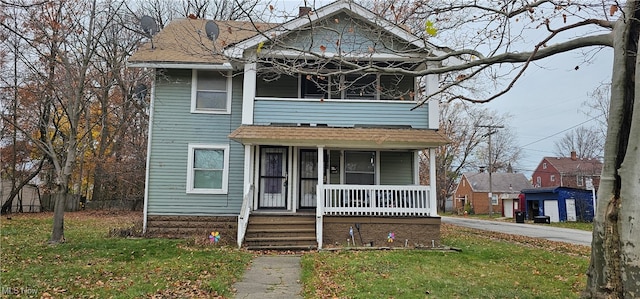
{"type": "Point", "coordinates": [57, 235]}
{"type": "Point", "coordinates": [614, 271]}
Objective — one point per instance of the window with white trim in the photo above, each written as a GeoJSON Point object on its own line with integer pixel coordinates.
{"type": "Point", "coordinates": [552, 178]}
{"type": "Point", "coordinates": [208, 169]}
{"type": "Point", "coordinates": [211, 92]}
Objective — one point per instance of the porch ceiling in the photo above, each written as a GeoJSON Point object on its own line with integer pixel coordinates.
{"type": "Point", "coordinates": [339, 137]}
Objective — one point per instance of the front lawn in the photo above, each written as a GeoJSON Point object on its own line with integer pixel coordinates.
{"type": "Point", "coordinates": [93, 265]}
{"type": "Point", "coordinates": [490, 265]}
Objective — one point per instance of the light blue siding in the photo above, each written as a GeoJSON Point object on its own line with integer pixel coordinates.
{"type": "Point", "coordinates": [174, 127]}
{"type": "Point", "coordinates": [396, 168]}
{"type": "Point", "coordinates": [343, 33]}
{"type": "Point", "coordinates": [343, 113]}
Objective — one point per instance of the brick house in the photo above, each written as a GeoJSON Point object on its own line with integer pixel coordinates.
{"type": "Point", "coordinates": [570, 172]}
{"type": "Point", "coordinates": [473, 189]}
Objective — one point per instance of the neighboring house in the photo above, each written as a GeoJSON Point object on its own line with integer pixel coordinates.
{"type": "Point", "coordinates": [561, 204]}
{"type": "Point", "coordinates": [570, 172]}
{"type": "Point", "coordinates": [27, 200]}
{"type": "Point", "coordinates": [286, 161]}
{"type": "Point", "coordinates": [473, 191]}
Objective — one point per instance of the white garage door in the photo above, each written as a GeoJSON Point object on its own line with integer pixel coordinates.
{"type": "Point", "coordinates": [571, 209]}
{"type": "Point", "coordinates": [551, 210]}
{"type": "Point", "coordinates": [508, 207]}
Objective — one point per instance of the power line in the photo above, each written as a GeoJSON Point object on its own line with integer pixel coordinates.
{"type": "Point", "coordinates": [560, 132]}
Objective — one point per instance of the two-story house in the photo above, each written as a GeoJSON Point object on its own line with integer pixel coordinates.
{"type": "Point", "coordinates": [257, 136]}
{"type": "Point", "coordinates": [472, 193]}
{"type": "Point", "coordinates": [572, 172]}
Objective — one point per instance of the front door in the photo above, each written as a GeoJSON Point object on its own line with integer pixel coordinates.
{"type": "Point", "coordinates": [273, 178]}
{"type": "Point", "coordinates": [308, 178]}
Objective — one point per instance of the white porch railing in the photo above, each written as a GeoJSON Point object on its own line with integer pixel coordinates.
{"type": "Point", "coordinates": [243, 218]}
{"type": "Point", "coordinates": [376, 200]}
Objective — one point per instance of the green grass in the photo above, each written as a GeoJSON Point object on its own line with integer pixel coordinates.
{"type": "Point", "coordinates": [91, 264]}
{"type": "Point", "coordinates": [490, 266]}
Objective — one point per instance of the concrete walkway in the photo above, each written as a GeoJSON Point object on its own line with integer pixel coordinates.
{"type": "Point", "coordinates": [271, 276]}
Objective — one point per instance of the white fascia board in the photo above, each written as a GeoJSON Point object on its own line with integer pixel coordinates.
{"type": "Point", "coordinates": [347, 56]}
{"type": "Point", "coordinates": [195, 66]}
{"type": "Point", "coordinates": [237, 50]}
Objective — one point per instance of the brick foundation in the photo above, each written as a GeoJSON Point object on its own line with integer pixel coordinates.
{"type": "Point", "coordinates": [194, 226]}
{"type": "Point", "coordinates": [419, 231]}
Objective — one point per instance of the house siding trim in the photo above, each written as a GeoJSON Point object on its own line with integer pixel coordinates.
{"type": "Point", "coordinates": [145, 206]}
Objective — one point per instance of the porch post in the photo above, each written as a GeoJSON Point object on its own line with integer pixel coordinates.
{"type": "Point", "coordinates": [320, 196]}
{"type": "Point", "coordinates": [248, 93]}
{"type": "Point", "coordinates": [433, 196]}
{"type": "Point", "coordinates": [248, 170]}
{"type": "Point", "coordinates": [432, 82]}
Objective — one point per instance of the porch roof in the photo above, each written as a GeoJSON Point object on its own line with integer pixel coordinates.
{"type": "Point", "coordinates": [387, 138]}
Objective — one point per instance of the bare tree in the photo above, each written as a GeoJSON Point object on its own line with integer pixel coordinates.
{"type": "Point", "coordinates": [586, 142]}
{"type": "Point", "coordinates": [489, 40]}
{"type": "Point", "coordinates": [597, 107]}
{"type": "Point", "coordinates": [459, 121]}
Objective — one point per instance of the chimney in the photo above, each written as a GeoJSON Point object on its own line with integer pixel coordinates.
{"type": "Point", "coordinates": [574, 156]}
{"type": "Point", "coordinates": [303, 11]}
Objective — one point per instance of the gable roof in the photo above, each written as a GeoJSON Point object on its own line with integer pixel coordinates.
{"type": "Point", "coordinates": [500, 181]}
{"type": "Point", "coordinates": [325, 12]}
{"type": "Point", "coordinates": [184, 41]}
{"type": "Point", "coordinates": [579, 165]}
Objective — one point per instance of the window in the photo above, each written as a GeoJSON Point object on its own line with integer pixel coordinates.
{"type": "Point", "coordinates": [538, 181]}
{"type": "Point", "coordinates": [360, 168]}
{"type": "Point", "coordinates": [544, 165]}
{"type": "Point", "coordinates": [210, 92]}
{"type": "Point", "coordinates": [552, 178]}
{"type": "Point", "coordinates": [579, 180]}
{"type": "Point", "coordinates": [208, 169]}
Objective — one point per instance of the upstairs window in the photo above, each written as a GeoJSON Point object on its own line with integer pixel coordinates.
{"type": "Point", "coordinates": [210, 92]}
{"type": "Point", "coordinates": [552, 178]}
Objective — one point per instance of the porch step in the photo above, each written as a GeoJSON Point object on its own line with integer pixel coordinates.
{"type": "Point", "coordinates": [274, 247]}
{"type": "Point", "coordinates": [281, 232]}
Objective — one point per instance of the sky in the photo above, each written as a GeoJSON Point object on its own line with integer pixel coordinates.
{"type": "Point", "coordinates": [547, 101]}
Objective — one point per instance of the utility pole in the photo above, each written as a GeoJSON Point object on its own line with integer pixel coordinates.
{"type": "Point", "coordinates": [492, 130]}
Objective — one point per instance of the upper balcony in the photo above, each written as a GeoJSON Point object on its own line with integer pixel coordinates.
{"type": "Point", "coordinates": [339, 101]}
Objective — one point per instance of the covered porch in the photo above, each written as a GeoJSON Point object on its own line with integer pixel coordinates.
{"type": "Point", "coordinates": [335, 172]}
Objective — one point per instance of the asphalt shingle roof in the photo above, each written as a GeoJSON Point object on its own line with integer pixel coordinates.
{"type": "Point", "coordinates": [500, 181]}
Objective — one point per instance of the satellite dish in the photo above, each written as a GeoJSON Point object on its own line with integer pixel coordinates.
{"type": "Point", "coordinates": [212, 30]}
{"type": "Point", "coordinates": [149, 26]}
{"type": "Point", "coordinates": [140, 91]}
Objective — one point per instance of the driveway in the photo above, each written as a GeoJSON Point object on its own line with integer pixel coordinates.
{"type": "Point", "coordinates": [558, 234]}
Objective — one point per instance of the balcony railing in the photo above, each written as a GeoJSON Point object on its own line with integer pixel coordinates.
{"type": "Point", "coordinates": [376, 200]}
